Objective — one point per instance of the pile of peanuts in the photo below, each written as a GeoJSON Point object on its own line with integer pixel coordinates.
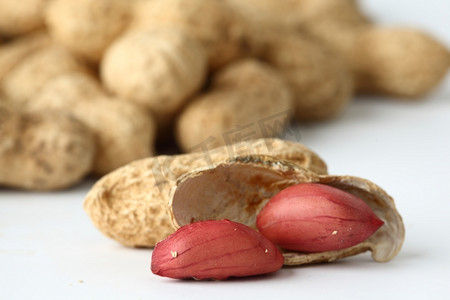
{"type": "Point", "coordinates": [87, 86]}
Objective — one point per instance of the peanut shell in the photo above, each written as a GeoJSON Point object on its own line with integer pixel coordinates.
{"type": "Point", "coordinates": [87, 27]}
{"type": "Point", "coordinates": [18, 19]}
{"type": "Point", "coordinates": [43, 150]}
{"type": "Point", "coordinates": [294, 13]}
{"type": "Point", "coordinates": [400, 62]}
{"type": "Point", "coordinates": [130, 204]}
{"type": "Point", "coordinates": [124, 130]}
{"type": "Point", "coordinates": [218, 28]}
{"type": "Point", "coordinates": [32, 73]}
{"type": "Point", "coordinates": [246, 97]}
{"type": "Point", "coordinates": [320, 82]}
{"type": "Point", "coordinates": [13, 52]}
{"type": "Point", "coordinates": [158, 69]}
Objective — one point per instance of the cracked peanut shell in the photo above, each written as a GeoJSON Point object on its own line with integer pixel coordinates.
{"type": "Point", "coordinates": [130, 204]}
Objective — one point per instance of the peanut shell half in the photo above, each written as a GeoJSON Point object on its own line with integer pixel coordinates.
{"type": "Point", "coordinates": [239, 188]}
{"type": "Point", "coordinates": [130, 204]}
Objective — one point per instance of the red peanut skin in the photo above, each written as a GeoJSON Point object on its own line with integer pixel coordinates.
{"type": "Point", "coordinates": [312, 217]}
{"type": "Point", "coordinates": [215, 249]}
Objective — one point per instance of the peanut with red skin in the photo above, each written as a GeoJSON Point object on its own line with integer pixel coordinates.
{"type": "Point", "coordinates": [215, 249]}
{"type": "Point", "coordinates": [312, 217]}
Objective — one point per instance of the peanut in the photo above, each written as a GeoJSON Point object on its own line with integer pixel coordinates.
{"type": "Point", "coordinates": [218, 28]}
{"type": "Point", "coordinates": [311, 217]}
{"type": "Point", "coordinates": [405, 63]}
{"type": "Point", "coordinates": [401, 62]}
{"type": "Point", "coordinates": [31, 74]}
{"type": "Point", "coordinates": [87, 27]}
{"type": "Point", "coordinates": [158, 69]}
{"type": "Point", "coordinates": [215, 250]}
{"type": "Point", "coordinates": [320, 82]}
{"type": "Point", "coordinates": [21, 19]}
{"type": "Point", "coordinates": [124, 131]}
{"type": "Point", "coordinates": [42, 150]}
{"type": "Point", "coordinates": [13, 52]}
{"type": "Point", "coordinates": [240, 97]}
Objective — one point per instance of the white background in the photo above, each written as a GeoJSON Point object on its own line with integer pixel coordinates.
{"type": "Point", "coordinates": [50, 250]}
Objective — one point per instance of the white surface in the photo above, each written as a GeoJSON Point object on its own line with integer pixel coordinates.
{"type": "Point", "coordinates": [50, 250]}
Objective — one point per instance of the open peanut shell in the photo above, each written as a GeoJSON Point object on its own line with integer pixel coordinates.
{"type": "Point", "coordinates": [130, 204]}
{"type": "Point", "coordinates": [238, 189]}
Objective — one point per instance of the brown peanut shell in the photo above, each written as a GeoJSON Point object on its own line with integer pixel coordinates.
{"type": "Point", "coordinates": [87, 27]}
{"type": "Point", "coordinates": [400, 62]}
{"type": "Point", "coordinates": [13, 52]}
{"type": "Point", "coordinates": [18, 19]}
{"type": "Point", "coordinates": [218, 28]}
{"type": "Point", "coordinates": [130, 204]}
{"type": "Point", "coordinates": [159, 69]}
{"type": "Point", "coordinates": [320, 82]}
{"type": "Point", "coordinates": [32, 73]}
{"type": "Point", "coordinates": [43, 150]}
{"type": "Point", "coordinates": [124, 130]}
{"type": "Point", "coordinates": [245, 97]}
{"type": "Point", "coordinates": [239, 188]}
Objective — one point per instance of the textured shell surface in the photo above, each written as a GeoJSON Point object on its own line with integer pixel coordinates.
{"type": "Point", "coordinates": [42, 150]}
{"type": "Point", "coordinates": [130, 204]}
